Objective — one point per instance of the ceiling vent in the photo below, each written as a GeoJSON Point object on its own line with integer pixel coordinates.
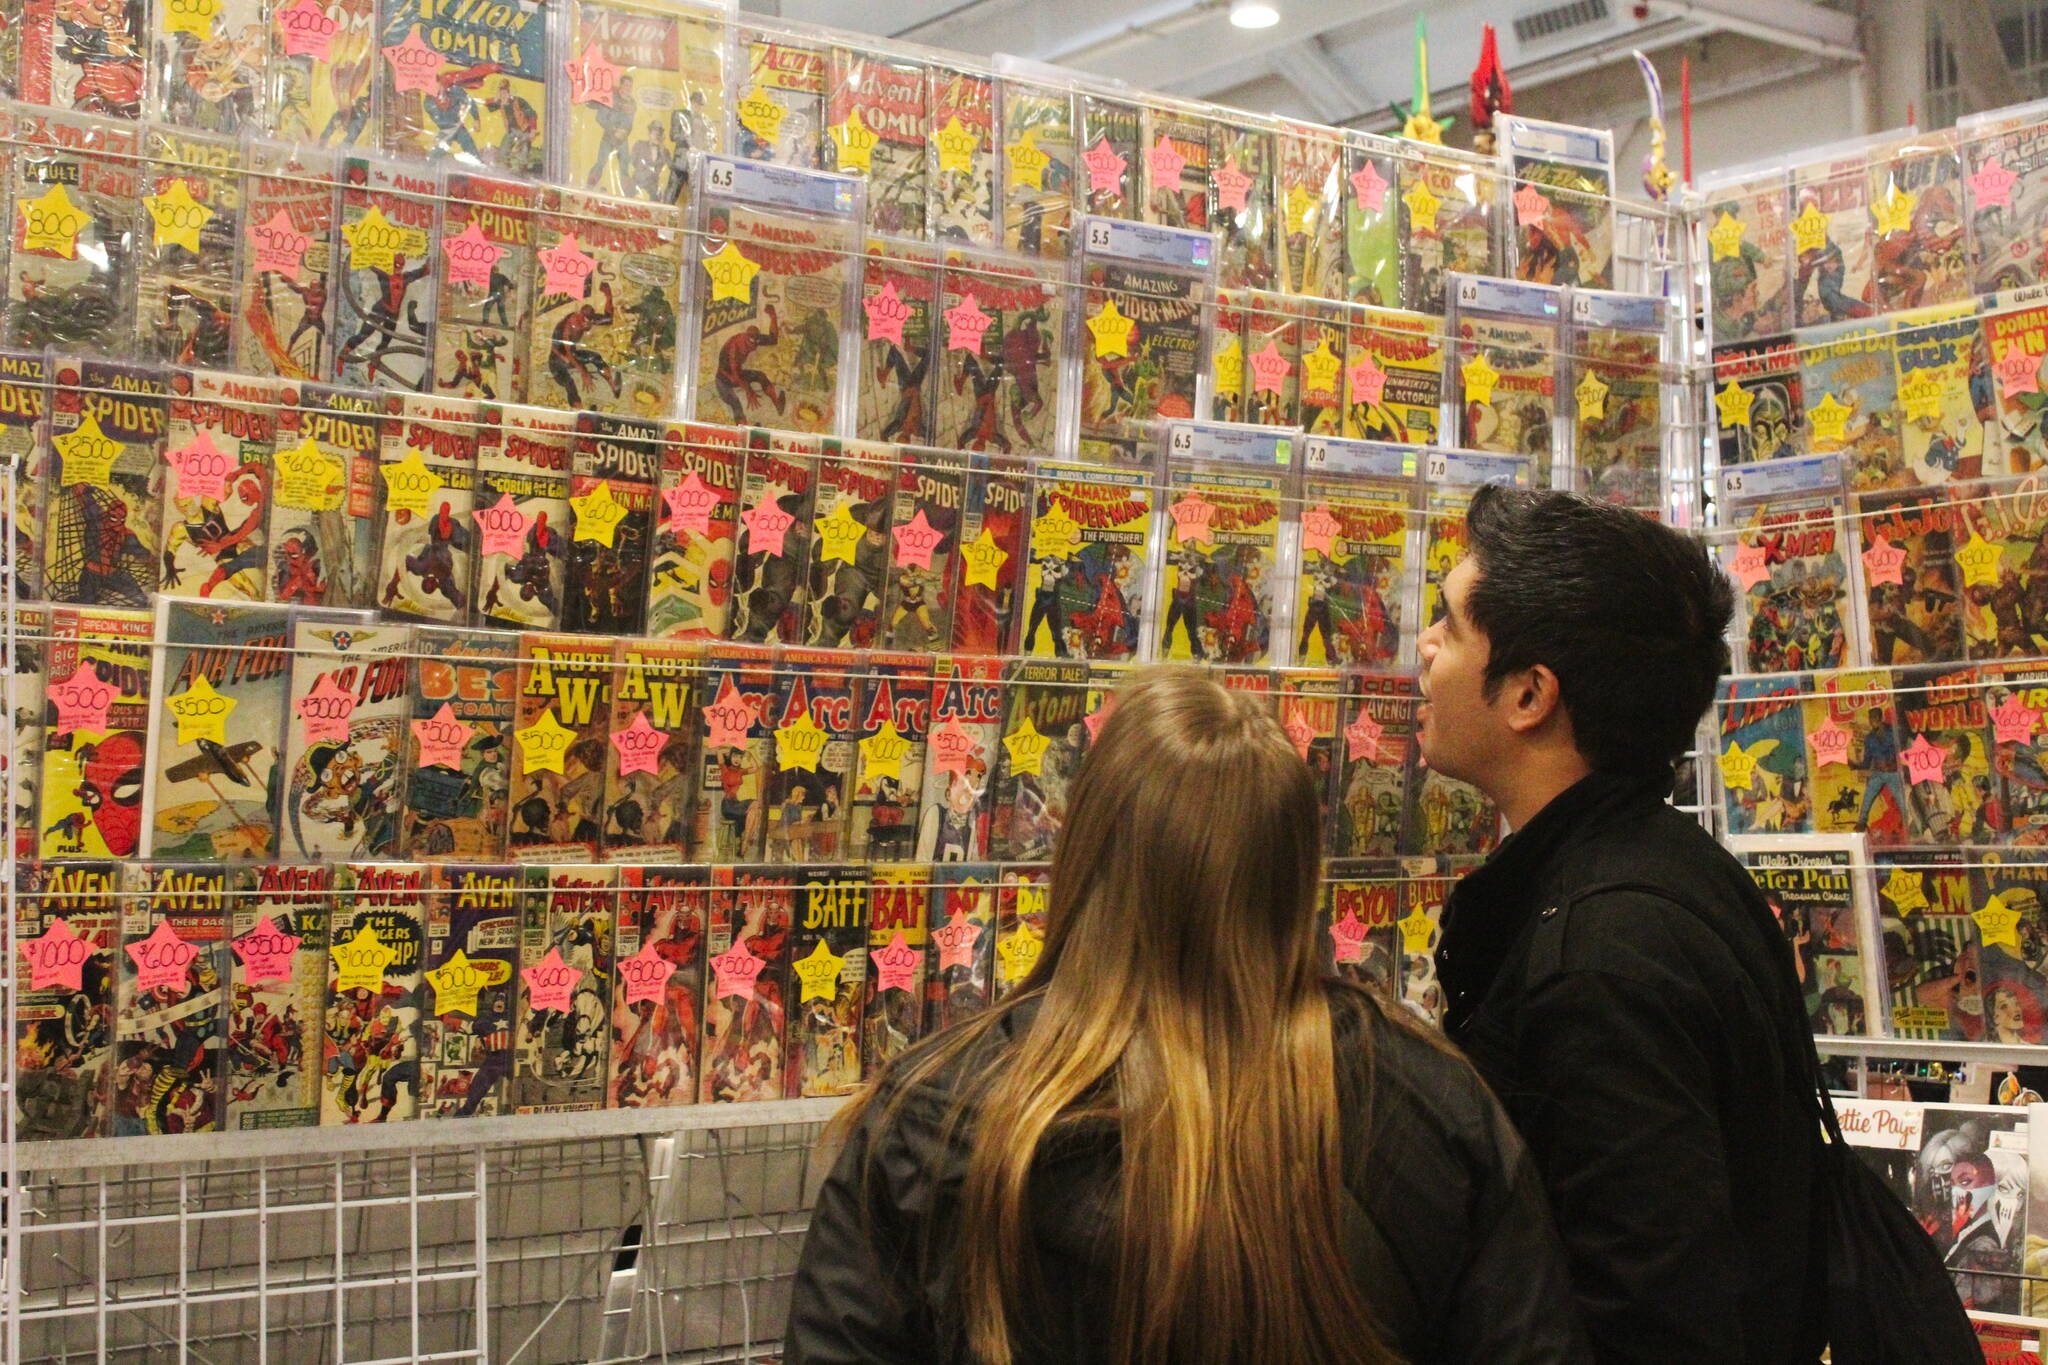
{"type": "Point", "coordinates": [1568, 24]}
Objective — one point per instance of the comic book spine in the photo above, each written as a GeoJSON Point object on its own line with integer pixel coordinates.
{"type": "Point", "coordinates": [169, 1053]}
{"type": "Point", "coordinates": [83, 769]}
{"type": "Point", "coordinates": [1021, 905]}
{"type": "Point", "coordinates": [344, 790]}
{"type": "Point", "coordinates": [659, 994]}
{"type": "Point", "coordinates": [428, 538]}
{"type": "Point", "coordinates": [1043, 734]}
{"type": "Point", "coordinates": [1373, 742]}
{"type": "Point", "coordinates": [815, 718]}
{"type": "Point", "coordinates": [1221, 567]}
{"type": "Point", "coordinates": [856, 494]}
{"type": "Point", "coordinates": [736, 749]}
{"type": "Point", "coordinates": [278, 997]}
{"type": "Point", "coordinates": [64, 1028]}
{"type": "Point", "coordinates": [1088, 564]}
{"type": "Point", "coordinates": [107, 424]}
{"type": "Point", "coordinates": [487, 286]}
{"type": "Point", "coordinates": [324, 507]}
{"type": "Point", "coordinates": [772, 555]}
{"type": "Point", "coordinates": [286, 264]}
{"type": "Point", "coordinates": [963, 930]}
{"type": "Point", "coordinates": [220, 438]}
{"type": "Point", "coordinates": [522, 521]}
{"type": "Point", "coordinates": [562, 729]}
{"type": "Point", "coordinates": [690, 588]}
{"type": "Point", "coordinates": [1038, 169]}
{"type": "Point", "coordinates": [25, 443]}
{"type": "Point", "coordinates": [458, 764]}
{"type": "Point", "coordinates": [612, 494]}
{"type": "Point", "coordinates": [746, 1035]}
{"type": "Point", "coordinates": [828, 960]}
{"type": "Point", "coordinates": [1110, 132]}
{"type": "Point", "coordinates": [186, 276]}
{"type": "Point", "coordinates": [220, 696]}
{"type": "Point", "coordinates": [877, 128]}
{"type": "Point", "coordinates": [895, 724]}
{"type": "Point", "coordinates": [466, 82]}
{"type": "Point", "coordinates": [651, 762]}
{"type": "Point", "coordinates": [995, 527]}
{"type": "Point", "coordinates": [473, 923]}
{"type": "Point", "coordinates": [899, 965]}
{"type": "Point", "coordinates": [384, 276]}
{"type": "Point", "coordinates": [960, 759]}
{"type": "Point", "coordinates": [370, 1067]}
{"type": "Point", "coordinates": [562, 1049]}
{"type": "Point", "coordinates": [963, 174]}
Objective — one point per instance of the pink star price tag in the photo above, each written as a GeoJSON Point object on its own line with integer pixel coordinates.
{"type": "Point", "coordinates": [82, 701]}
{"type": "Point", "coordinates": [1370, 187]}
{"type": "Point", "coordinates": [470, 256]}
{"type": "Point", "coordinates": [767, 526]}
{"type": "Point", "coordinates": [1166, 162]}
{"type": "Point", "coordinates": [163, 960]}
{"type": "Point", "coordinates": [442, 738]}
{"type": "Point", "coordinates": [916, 541]}
{"type": "Point", "coordinates": [1319, 530]}
{"type": "Point", "coordinates": [1105, 167]}
{"type": "Point", "coordinates": [689, 507]}
{"type": "Point", "coordinates": [1924, 760]}
{"type": "Point", "coordinates": [1094, 719]}
{"type": "Point", "coordinates": [503, 526]}
{"type": "Point", "coordinates": [1362, 737]}
{"type": "Point", "coordinates": [887, 312]}
{"type": "Point", "coordinates": [1194, 518]}
{"type": "Point", "coordinates": [896, 965]}
{"type": "Point", "coordinates": [728, 718]}
{"type": "Point", "coordinates": [1750, 566]}
{"type": "Point", "coordinates": [551, 982]}
{"type": "Point", "coordinates": [324, 712]}
{"type": "Point", "coordinates": [1347, 938]}
{"type": "Point", "coordinates": [1829, 742]}
{"type": "Point", "coordinates": [1301, 733]}
{"type": "Point", "coordinates": [1885, 561]}
{"type": "Point", "coordinates": [737, 969]}
{"type": "Point", "coordinates": [415, 67]}
{"type": "Point", "coordinates": [266, 953]}
{"type": "Point", "coordinates": [645, 974]}
{"type": "Point", "coordinates": [280, 247]}
{"type": "Point", "coordinates": [202, 471]}
{"type": "Point", "coordinates": [1232, 185]}
{"type": "Point", "coordinates": [1368, 381]}
{"type": "Point", "coordinates": [1992, 185]}
{"type": "Point", "coordinates": [567, 268]}
{"type": "Point", "coordinates": [592, 78]}
{"type": "Point", "coordinates": [966, 324]}
{"type": "Point", "coordinates": [957, 941]}
{"type": "Point", "coordinates": [2014, 721]}
{"type": "Point", "coordinates": [2018, 372]}
{"type": "Point", "coordinates": [1530, 206]}
{"type": "Point", "coordinates": [639, 746]}
{"type": "Point", "coordinates": [1269, 369]}
{"type": "Point", "coordinates": [307, 30]}
{"type": "Point", "coordinates": [57, 957]}
{"type": "Point", "coordinates": [952, 749]}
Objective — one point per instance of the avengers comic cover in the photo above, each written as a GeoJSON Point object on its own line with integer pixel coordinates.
{"type": "Point", "coordinates": [1932, 953]}
{"type": "Point", "coordinates": [1039, 168]}
{"type": "Point", "coordinates": [768, 352]}
{"type": "Point", "coordinates": [1375, 750]}
{"type": "Point", "coordinates": [2015, 986]}
{"type": "Point", "coordinates": [1563, 180]}
{"type": "Point", "coordinates": [1310, 191]}
{"type": "Point", "coordinates": [1945, 741]}
{"type": "Point", "coordinates": [25, 444]}
{"type": "Point", "coordinates": [1912, 611]}
{"type": "Point", "coordinates": [221, 431]}
{"type": "Point", "coordinates": [963, 181]}
{"type": "Point", "coordinates": [370, 1056]}
{"type": "Point", "coordinates": [1110, 144]}
{"type": "Point", "coordinates": [1815, 897]}
{"type": "Point", "coordinates": [1372, 208]}
{"type": "Point", "coordinates": [1859, 786]}
{"type": "Point", "coordinates": [771, 559]}
{"type": "Point", "coordinates": [1221, 566]}
{"type": "Point", "coordinates": [561, 1052]}
{"type": "Point", "coordinates": [2011, 688]}
{"type": "Point", "coordinates": [2005, 591]}
{"type": "Point", "coordinates": [102, 546]}
{"type": "Point", "coordinates": [655, 94]}
{"type": "Point", "coordinates": [900, 965]}
{"type": "Point", "coordinates": [431, 450]}
{"type": "Point", "coordinates": [2016, 442]}
{"type": "Point", "coordinates": [323, 94]}
{"type": "Point", "coordinates": [91, 780]}
{"type": "Point", "coordinates": [1043, 737]}
{"type": "Point", "coordinates": [735, 753]}
{"type": "Point", "coordinates": [487, 245]}
{"type": "Point", "coordinates": [1021, 903]}
{"type": "Point", "coordinates": [1796, 607]}
{"type": "Point", "coordinates": [455, 806]}
{"type": "Point", "coordinates": [1142, 358]}
{"type": "Point", "coordinates": [290, 206]}
{"type": "Point", "coordinates": [924, 533]}
{"type": "Point", "coordinates": [27, 676]}
{"type": "Point", "coordinates": [961, 976]}
{"type": "Point", "coordinates": [522, 520]}
{"type": "Point", "coordinates": [1393, 376]}
{"type": "Point", "coordinates": [1749, 254]}
{"type": "Point", "coordinates": [605, 339]}
{"type": "Point", "coordinates": [828, 961]}
{"type": "Point", "coordinates": [690, 586]}
{"type": "Point", "coordinates": [384, 276]}
{"type": "Point", "coordinates": [62, 1035]}
{"type": "Point", "coordinates": [223, 677]}
{"type": "Point", "coordinates": [650, 762]}
{"type": "Point", "coordinates": [1358, 915]}
{"type": "Point", "coordinates": [561, 734]}
{"type": "Point", "coordinates": [1939, 352]}
{"type": "Point", "coordinates": [745, 1024]}
{"type": "Point", "coordinates": [781, 117]}
{"type": "Point", "coordinates": [876, 128]}
{"type": "Point", "coordinates": [1349, 598]}
{"type": "Point", "coordinates": [851, 514]}
{"type": "Point", "coordinates": [1758, 400]}
{"type": "Point", "coordinates": [1833, 238]}
{"type": "Point", "coordinates": [814, 716]}
{"type": "Point", "coordinates": [342, 794]}
{"type": "Point", "coordinates": [1173, 155]}
{"type": "Point", "coordinates": [209, 70]}
{"type": "Point", "coordinates": [1851, 390]}
{"type": "Point", "coordinates": [1511, 414]}
{"type": "Point", "coordinates": [890, 755]}
{"type": "Point", "coordinates": [1272, 356]}
{"type": "Point", "coordinates": [1446, 224]}
{"type": "Point", "coordinates": [612, 487]}
{"type": "Point", "coordinates": [472, 86]}
{"type": "Point", "coordinates": [1616, 378]}
{"type": "Point", "coordinates": [277, 984]}
{"type": "Point", "coordinates": [169, 1048]}
{"type": "Point", "coordinates": [185, 272]}
{"type": "Point", "coordinates": [899, 300]}
{"type": "Point", "coordinates": [474, 915]}
{"type": "Point", "coordinates": [994, 522]}
{"type": "Point", "coordinates": [659, 998]}
{"type": "Point", "coordinates": [1916, 194]}
{"type": "Point", "coordinates": [999, 372]}
{"type": "Point", "coordinates": [2006, 229]}
{"type": "Point", "coordinates": [1240, 189]}
{"type": "Point", "coordinates": [1227, 359]}
{"type": "Point", "coordinates": [323, 496]}
{"type": "Point", "coordinates": [960, 759]}
{"type": "Point", "coordinates": [1088, 562]}
{"type": "Point", "coordinates": [1308, 714]}
{"type": "Point", "coordinates": [1762, 748]}
{"type": "Point", "coordinates": [84, 61]}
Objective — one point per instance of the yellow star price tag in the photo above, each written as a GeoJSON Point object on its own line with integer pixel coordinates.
{"type": "Point", "coordinates": [1229, 363]}
{"type": "Point", "coordinates": [1027, 749]}
{"type": "Point", "coordinates": [882, 753]}
{"type": "Point", "coordinates": [1416, 931]}
{"type": "Point", "coordinates": [359, 963]}
{"type": "Point", "coordinates": [1724, 239]}
{"type": "Point", "coordinates": [377, 243]}
{"type": "Point", "coordinates": [409, 484]}
{"type": "Point", "coordinates": [1017, 953]}
{"type": "Point", "coordinates": [191, 16]}
{"type": "Point", "coordinates": [1027, 163]}
{"type": "Point", "coordinates": [1422, 207]}
{"type": "Point", "coordinates": [819, 974]}
{"type": "Point", "coordinates": [838, 534]}
{"type": "Point", "coordinates": [458, 981]}
{"type": "Point", "coordinates": [1319, 368]}
{"type": "Point", "coordinates": [1738, 766]}
{"type": "Point", "coordinates": [202, 712]}
{"type": "Point", "coordinates": [984, 559]}
{"type": "Point", "coordinates": [1733, 403]}
{"type": "Point", "coordinates": [1829, 419]}
{"type": "Point", "coordinates": [1998, 924]}
{"type": "Point", "coordinates": [1978, 560]}
{"type": "Point", "coordinates": [1921, 397]}
{"type": "Point", "coordinates": [1895, 212]}
{"type": "Point", "coordinates": [88, 454]}
{"type": "Point", "coordinates": [1592, 397]}
{"type": "Point", "coordinates": [762, 115]}
{"type": "Point", "coordinates": [856, 143]}
{"type": "Point", "coordinates": [800, 744]}
{"type": "Point", "coordinates": [1295, 207]}
{"type": "Point", "coordinates": [732, 274]}
{"type": "Point", "coordinates": [177, 215]}
{"type": "Point", "coordinates": [308, 477]}
{"type": "Point", "coordinates": [598, 514]}
{"type": "Point", "coordinates": [1810, 229]}
{"type": "Point", "coordinates": [1480, 377]}
{"type": "Point", "coordinates": [1906, 890]}
{"type": "Point", "coordinates": [51, 223]}
{"type": "Point", "coordinates": [956, 147]}
{"type": "Point", "coordinates": [1112, 331]}
{"type": "Point", "coordinates": [544, 744]}
{"type": "Point", "coordinates": [1055, 534]}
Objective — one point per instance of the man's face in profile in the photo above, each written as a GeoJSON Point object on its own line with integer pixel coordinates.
{"type": "Point", "coordinates": [1460, 734]}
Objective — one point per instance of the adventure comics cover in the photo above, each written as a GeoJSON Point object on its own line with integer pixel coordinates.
{"type": "Point", "coordinates": [562, 1052]}
{"type": "Point", "coordinates": [899, 291]}
{"type": "Point", "coordinates": [370, 1058]}
{"type": "Point", "coordinates": [561, 734]}
{"type": "Point", "coordinates": [1757, 400]}
{"type": "Point", "coordinates": [430, 452]}
{"type": "Point", "coordinates": [1937, 351]}
{"type": "Point", "coordinates": [323, 496]}
{"type": "Point", "coordinates": [828, 961]}
{"type": "Point", "coordinates": [221, 432]}
{"type": "Point", "coordinates": [769, 352]}
{"type": "Point", "coordinates": [1858, 784]}
{"type": "Point", "coordinates": [1174, 156]}
{"type": "Point", "coordinates": [384, 276]}
{"type": "Point", "coordinates": [658, 1001]}
{"type": "Point", "coordinates": [1916, 194]}
{"type": "Point", "coordinates": [815, 716]}
{"type": "Point", "coordinates": [1039, 166]}
{"type": "Point", "coordinates": [168, 1018]}
{"type": "Point", "coordinates": [772, 557]}
{"type": "Point", "coordinates": [185, 278]}
{"type": "Point", "coordinates": [1310, 195]}
{"type": "Point", "coordinates": [851, 514]}
{"type": "Point", "coordinates": [650, 763]}
{"type": "Point", "coordinates": [487, 278]}
{"type": "Point", "coordinates": [1953, 797]}
{"type": "Point", "coordinates": [523, 519]}
{"type": "Point", "coordinates": [655, 94]}
{"type": "Point", "coordinates": [473, 922]}
{"type": "Point", "coordinates": [1043, 737]}
{"type": "Point", "coordinates": [1372, 210]}
{"type": "Point", "coordinates": [1851, 391]}
{"type": "Point", "coordinates": [1110, 148]}
{"type": "Point", "coordinates": [1513, 417]}
{"type": "Point", "coordinates": [2004, 566]}
{"type": "Point", "coordinates": [1749, 254]}
{"type": "Point", "coordinates": [960, 759]}
{"type": "Point", "coordinates": [341, 792]}
{"type": "Point", "coordinates": [1088, 563]}
{"type": "Point", "coordinates": [455, 806]}
{"type": "Point", "coordinates": [1323, 339]}
{"type": "Point", "coordinates": [277, 987]}
{"type": "Point", "coordinates": [25, 445]}
{"type": "Point", "coordinates": [895, 724]}
{"type": "Point", "coordinates": [1797, 614]}
{"type": "Point", "coordinates": [1227, 359]}
{"type": "Point", "coordinates": [900, 964]}
{"type": "Point", "coordinates": [999, 374]}
{"type": "Point", "coordinates": [1021, 900]}
{"type": "Point", "coordinates": [690, 589]}
{"type": "Point", "coordinates": [1272, 356]}
{"type": "Point", "coordinates": [1393, 376]}
{"type": "Point", "coordinates": [63, 1033]}
{"type": "Point", "coordinates": [1617, 382]}
{"type": "Point", "coordinates": [27, 677]}
{"type": "Point", "coordinates": [1912, 611]}
{"type": "Point", "coordinates": [1812, 893]}
{"type": "Point", "coordinates": [963, 183]}
{"type": "Point", "coordinates": [1764, 773]}
{"type": "Point", "coordinates": [1240, 191]}
{"type": "Point", "coordinates": [736, 753]}
{"type": "Point", "coordinates": [994, 523]}
{"type": "Point", "coordinates": [2008, 206]}
{"type": "Point", "coordinates": [745, 1029]}
{"type": "Point", "coordinates": [473, 83]}
{"type": "Point", "coordinates": [209, 69]}
{"type": "Point", "coordinates": [291, 208]}
{"type": "Point", "coordinates": [92, 779]}
{"type": "Point", "coordinates": [781, 117]}
{"type": "Point", "coordinates": [612, 490]}
{"type": "Point", "coordinates": [1446, 225]}
{"type": "Point", "coordinates": [1375, 751]}
{"type": "Point", "coordinates": [2016, 345]}
{"type": "Point", "coordinates": [961, 978]}
{"type": "Point", "coordinates": [1361, 905]}
{"type": "Point", "coordinates": [1563, 202]}
{"type": "Point", "coordinates": [86, 61]}
{"type": "Point", "coordinates": [924, 531]}
{"type": "Point", "coordinates": [2015, 980]}
{"type": "Point", "coordinates": [1835, 275]}
{"type": "Point", "coordinates": [1308, 714]}
{"type": "Point", "coordinates": [1932, 954]}
{"type": "Point", "coordinates": [321, 92]}
{"type": "Point", "coordinates": [1143, 355]}
{"type": "Point", "coordinates": [2011, 689]}
{"type": "Point", "coordinates": [107, 424]}
{"type": "Point", "coordinates": [876, 128]}
{"type": "Point", "coordinates": [224, 678]}
{"type": "Point", "coordinates": [1221, 569]}
{"type": "Point", "coordinates": [605, 339]}
{"type": "Point", "coordinates": [1348, 601]}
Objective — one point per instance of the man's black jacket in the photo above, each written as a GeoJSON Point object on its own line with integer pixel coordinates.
{"type": "Point", "coordinates": [1635, 1049]}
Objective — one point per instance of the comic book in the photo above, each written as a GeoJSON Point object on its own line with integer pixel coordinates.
{"type": "Point", "coordinates": [1446, 223]}
{"type": "Point", "coordinates": [2004, 568]}
{"type": "Point", "coordinates": [603, 337]}
{"type": "Point", "coordinates": [1762, 755]}
{"type": "Point", "coordinates": [218, 699]}
{"type": "Point", "coordinates": [963, 181]}
{"type": "Point", "coordinates": [1351, 592]}
{"type": "Point", "coordinates": [1325, 333]}
{"type": "Point", "coordinates": [169, 1021]}
{"type": "Point", "coordinates": [277, 995]}
{"type": "Point", "coordinates": [219, 441]}
{"type": "Point", "coordinates": [1147, 372]}
{"type": "Point", "coordinates": [1850, 387]}
{"type": "Point", "coordinates": [1945, 752]}
{"type": "Point", "coordinates": [91, 798]}
{"type": "Point", "coordinates": [1039, 168]}
{"type": "Point", "coordinates": [650, 765]}
{"type": "Point", "coordinates": [1358, 918]}
{"type": "Point", "coordinates": [1911, 581]}
{"type": "Point", "coordinates": [561, 1047]}
{"type": "Point", "coordinates": [342, 790]}
{"type": "Point", "coordinates": [455, 804]}
{"type": "Point", "coordinates": [185, 269]}
{"type": "Point", "coordinates": [1790, 554]}
{"type": "Point", "coordinates": [465, 82]}
{"type": "Point", "coordinates": [1021, 904]}
{"type": "Point", "coordinates": [1834, 240]}
{"type": "Point", "coordinates": [27, 675]}
{"type": "Point", "coordinates": [735, 753]}
{"type": "Point", "coordinates": [1445, 541]}
{"type": "Point", "coordinates": [2016, 346]}
{"type": "Point", "coordinates": [654, 94]}
{"type": "Point", "coordinates": [2019, 749]}
{"type": "Point", "coordinates": [1932, 953]}
{"type": "Point", "coordinates": [1505, 372]}
{"type": "Point", "coordinates": [487, 277]}
{"type": "Point", "coordinates": [377, 933]}
{"type": "Point", "coordinates": [1110, 150]}
{"type": "Point", "coordinates": [895, 720]}
{"type": "Point", "coordinates": [1858, 785]}
{"type": "Point", "coordinates": [781, 115]}
{"type": "Point", "coordinates": [1563, 183]}
{"type": "Point", "coordinates": [851, 514]}
{"type": "Point", "coordinates": [1616, 377]}
{"type": "Point", "coordinates": [322, 67]}
{"type": "Point", "coordinates": [1309, 193]}
{"type": "Point", "coordinates": [659, 996]}
{"type": "Point", "coordinates": [1241, 203]}
{"type": "Point", "coordinates": [1938, 352]}
{"type": "Point", "coordinates": [994, 524]}
{"type": "Point", "coordinates": [474, 914]}
{"type": "Point", "coordinates": [1375, 751]}
{"type": "Point", "coordinates": [746, 373]}
{"type": "Point", "coordinates": [900, 966]}
{"type": "Point", "coordinates": [961, 980]}
{"type": "Point", "coordinates": [1043, 738]}
{"type": "Point", "coordinates": [1916, 195]}
{"type": "Point", "coordinates": [614, 470]}
{"type": "Point", "coordinates": [561, 736]}
{"type": "Point", "coordinates": [1221, 568]}
{"type": "Point", "coordinates": [384, 275]}
{"type": "Point", "coordinates": [745, 1024]}
{"type": "Point", "coordinates": [25, 448]}
{"type": "Point", "coordinates": [960, 759]}
{"type": "Point", "coordinates": [1749, 257]}
{"type": "Point", "coordinates": [1308, 712]}
{"type": "Point", "coordinates": [925, 522]}
{"type": "Point", "coordinates": [324, 496]}
{"type": "Point", "coordinates": [1817, 896]}
{"type": "Point", "coordinates": [1372, 210]}
{"type": "Point", "coordinates": [2015, 986]}
{"type": "Point", "coordinates": [1758, 400]}
{"type": "Point", "coordinates": [828, 962]}
{"type": "Point", "coordinates": [815, 719]}
{"type": "Point", "coordinates": [1272, 359]}
{"type": "Point", "coordinates": [876, 128]}
{"type": "Point", "coordinates": [2006, 163]}
{"type": "Point", "coordinates": [772, 556]}
{"type": "Point", "coordinates": [426, 547]}
{"type": "Point", "coordinates": [522, 518]}
{"type": "Point", "coordinates": [1426, 885]}
{"type": "Point", "coordinates": [690, 585]}
{"type": "Point", "coordinates": [1227, 368]}
{"type": "Point", "coordinates": [63, 1032]}
{"type": "Point", "coordinates": [899, 292]}
{"type": "Point", "coordinates": [1174, 149]}
{"type": "Point", "coordinates": [291, 208]}
{"type": "Point", "coordinates": [82, 62]}
{"type": "Point", "coordinates": [999, 373]}
{"type": "Point", "coordinates": [1088, 561]}
{"type": "Point", "coordinates": [1393, 376]}
{"type": "Point", "coordinates": [108, 422]}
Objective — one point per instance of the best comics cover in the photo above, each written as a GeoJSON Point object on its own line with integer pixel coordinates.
{"type": "Point", "coordinates": [1021, 900]}
{"type": "Point", "coordinates": [1358, 915]}
{"type": "Point", "coordinates": [993, 526]}
{"type": "Point", "coordinates": [690, 590]}
{"type": "Point", "coordinates": [1833, 237]}
{"type": "Point", "coordinates": [27, 677]}
{"type": "Point", "coordinates": [370, 1058]}
{"type": "Point", "coordinates": [1241, 158]}
{"type": "Point", "coordinates": [561, 1052]}
{"type": "Point", "coordinates": [650, 763]}
{"type": "Point", "coordinates": [655, 94]}
{"type": "Point", "coordinates": [895, 724]}
{"type": "Point", "coordinates": [1311, 199]}
{"type": "Point", "coordinates": [656, 1033]}
{"type": "Point", "coordinates": [384, 276]}
{"type": "Point", "coordinates": [736, 752]}
{"type": "Point", "coordinates": [1043, 737]}
{"type": "Point", "coordinates": [473, 923]}
{"type": "Point", "coordinates": [1863, 790]}
{"type": "Point", "coordinates": [1221, 567]}
{"type": "Point", "coordinates": [781, 117]}
{"type": "Point", "coordinates": [2006, 229]}
{"type": "Point", "coordinates": [745, 1024]}
{"type": "Point", "coordinates": [603, 336]}
{"type": "Point", "coordinates": [1400, 357]}
{"type": "Point", "coordinates": [815, 717]}
{"type": "Point", "coordinates": [2015, 979]}
{"type": "Point", "coordinates": [769, 349]}
{"type": "Point", "coordinates": [771, 559]}
{"type": "Point", "coordinates": [1110, 148]}
{"type": "Point", "coordinates": [999, 373]}
{"type": "Point", "coordinates": [828, 961]}
{"type": "Point", "coordinates": [25, 444]}
{"type": "Point", "coordinates": [185, 279]}
{"type": "Point", "coordinates": [924, 532]}
{"type": "Point", "coordinates": [1446, 225]}
{"type": "Point", "coordinates": [1939, 354]}
{"type": "Point", "coordinates": [223, 428]}
{"type": "Point", "coordinates": [1932, 956]}
{"type": "Point", "coordinates": [91, 780]}
{"type": "Point", "coordinates": [899, 299]}
{"type": "Point", "coordinates": [961, 979]}
{"type": "Point", "coordinates": [487, 244]}
{"type": "Point", "coordinates": [612, 486]}
{"type": "Point", "coordinates": [1911, 582]}
{"type": "Point", "coordinates": [169, 1050]}
{"type": "Point", "coordinates": [323, 496]}
{"type": "Point", "coordinates": [1376, 751]}
{"type": "Point", "coordinates": [455, 806]}
{"type": "Point", "coordinates": [960, 759]}
{"type": "Point", "coordinates": [2004, 566]}
{"type": "Point", "coordinates": [322, 94]}
{"type": "Point", "coordinates": [963, 185]}
{"type": "Point", "coordinates": [877, 129]}
{"type": "Point", "coordinates": [1945, 740]}
{"type": "Point", "coordinates": [1174, 154]}
{"type": "Point", "coordinates": [291, 209]}
{"type": "Point", "coordinates": [62, 1035]}
{"type": "Point", "coordinates": [341, 793]}
{"type": "Point", "coordinates": [1916, 194]}
{"type": "Point", "coordinates": [1749, 254]}
{"type": "Point", "coordinates": [209, 69]}
{"type": "Point", "coordinates": [1514, 416]}
{"type": "Point", "coordinates": [108, 422]}
{"type": "Point", "coordinates": [85, 61]}
{"type": "Point", "coordinates": [900, 965]}
{"type": "Point", "coordinates": [1758, 400]}
{"type": "Point", "coordinates": [1851, 388]}
{"type": "Point", "coordinates": [851, 514]}
{"type": "Point", "coordinates": [1764, 774]}
{"type": "Point", "coordinates": [2011, 689]}
{"type": "Point", "coordinates": [473, 83]}
{"type": "Point", "coordinates": [561, 735]}
{"type": "Point", "coordinates": [1088, 562]}
{"type": "Point", "coordinates": [1039, 186]}
{"type": "Point", "coordinates": [1797, 615]}
{"type": "Point", "coordinates": [274, 1014]}
{"type": "Point", "coordinates": [1142, 357]}
{"type": "Point", "coordinates": [1813, 897]}
{"type": "Point", "coordinates": [1372, 211]}
{"type": "Point", "coordinates": [522, 520]}
{"type": "Point", "coordinates": [2016, 443]}
{"type": "Point", "coordinates": [430, 452]}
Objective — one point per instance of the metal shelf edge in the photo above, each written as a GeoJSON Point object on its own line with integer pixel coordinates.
{"type": "Point", "coordinates": [2008, 1054]}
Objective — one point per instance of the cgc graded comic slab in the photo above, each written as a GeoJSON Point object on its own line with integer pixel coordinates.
{"type": "Point", "coordinates": [342, 790]}
{"type": "Point", "coordinates": [1240, 189]}
{"type": "Point", "coordinates": [960, 760]}
{"type": "Point", "coordinates": [771, 559]}
{"type": "Point", "coordinates": [219, 698]}
{"type": "Point", "coordinates": [2019, 749]}
{"type": "Point", "coordinates": [1932, 953]}
{"type": "Point", "coordinates": [428, 538]}
{"type": "Point", "coordinates": [1308, 712]}
{"type": "Point", "coordinates": [25, 444]}
{"type": "Point", "coordinates": [77, 234]}
{"type": "Point", "coordinates": [1749, 255]}
{"type": "Point", "coordinates": [1790, 556]}
{"type": "Point", "coordinates": [603, 335]}
{"type": "Point", "coordinates": [1088, 562]}
{"type": "Point", "coordinates": [370, 1063]}
{"type": "Point", "coordinates": [1372, 210]}
{"type": "Point", "coordinates": [1039, 168]}
{"type": "Point", "coordinates": [1110, 152]}
{"type": "Point", "coordinates": [774, 306]}
{"type": "Point", "coordinates": [291, 207]}
{"type": "Point", "coordinates": [62, 1034]}
{"type": "Point", "coordinates": [1227, 359]}
{"type": "Point", "coordinates": [1834, 241]}
{"type": "Point", "coordinates": [222, 430]}
{"type": "Point", "coordinates": [1762, 755]}
{"type": "Point", "coordinates": [561, 1050]}
{"type": "Point", "coordinates": [963, 141]}
{"type": "Point", "coordinates": [1820, 896]}
{"type": "Point", "coordinates": [1044, 734]}
{"type": "Point", "coordinates": [1848, 378]}
{"type": "Point", "coordinates": [650, 765]}
{"type": "Point", "coordinates": [523, 520]}
{"type": "Point", "coordinates": [2005, 591]}
{"type": "Point", "coordinates": [1021, 907]}
{"type": "Point", "coordinates": [1359, 918]}
{"type": "Point", "coordinates": [1562, 180]}
{"type": "Point", "coordinates": [1222, 565]}
{"type": "Point", "coordinates": [321, 92]}
{"type": "Point", "coordinates": [192, 230]}
{"type": "Point", "coordinates": [963, 928]}
{"type": "Point", "coordinates": [487, 281]}
{"type": "Point", "coordinates": [561, 735]}
{"type": "Point", "coordinates": [658, 997]}
{"type": "Point", "coordinates": [877, 128]}
{"type": "Point", "coordinates": [1858, 785]}
{"type": "Point", "coordinates": [1310, 194]}
{"type": "Point", "coordinates": [1141, 357]}
{"type": "Point", "coordinates": [900, 964]}
{"type": "Point", "coordinates": [924, 543]}
{"type": "Point", "coordinates": [689, 593]}
{"type": "Point", "coordinates": [612, 493]}
{"type": "Point", "coordinates": [654, 94]}
{"type": "Point", "coordinates": [736, 753]}
{"type": "Point", "coordinates": [1375, 751]}
{"type": "Point", "coordinates": [828, 961]}
{"type": "Point", "coordinates": [169, 1049]}
{"type": "Point", "coordinates": [1174, 156]}
{"type": "Point", "coordinates": [1937, 353]}
{"type": "Point", "coordinates": [1502, 372]}
{"type": "Point", "coordinates": [1616, 378]}
{"type": "Point", "coordinates": [2016, 337]}
{"type": "Point", "coordinates": [384, 275]}
{"type": "Point", "coordinates": [477, 94]}
{"type": "Point", "coordinates": [107, 427]}
{"type": "Point", "coordinates": [83, 62]}
{"type": "Point", "coordinates": [1393, 376]}
{"type": "Point", "coordinates": [899, 293]}
{"type": "Point", "coordinates": [999, 374]}
{"type": "Point", "coordinates": [1446, 222]}
{"type": "Point", "coordinates": [2014, 984]}
{"type": "Point", "coordinates": [277, 987]}
{"type": "Point", "coordinates": [473, 921]}
{"type": "Point", "coordinates": [852, 515]}
{"type": "Point", "coordinates": [323, 505]}
{"type": "Point", "coordinates": [209, 69]}
{"type": "Point", "coordinates": [1272, 355]}
{"type": "Point", "coordinates": [815, 718]}
{"type": "Point", "coordinates": [896, 720]}
{"type": "Point", "coordinates": [993, 538]}
{"type": "Point", "coordinates": [27, 677]}
{"type": "Point", "coordinates": [1911, 580]}
{"type": "Point", "coordinates": [745, 1026]}
{"type": "Point", "coordinates": [2005, 154]}
{"type": "Point", "coordinates": [1945, 751]}
{"type": "Point", "coordinates": [455, 804]}
{"type": "Point", "coordinates": [1916, 195]}
{"type": "Point", "coordinates": [1758, 407]}
{"type": "Point", "coordinates": [781, 116]}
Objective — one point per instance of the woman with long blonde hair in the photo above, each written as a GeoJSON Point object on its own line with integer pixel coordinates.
{"type": "Point", "coordinates": [1179, 1141]}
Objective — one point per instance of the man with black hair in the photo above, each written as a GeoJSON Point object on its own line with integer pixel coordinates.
{"type": "Point", "coordinates": [1613, 972]}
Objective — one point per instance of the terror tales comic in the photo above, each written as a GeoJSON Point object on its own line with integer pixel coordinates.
{"type": "Point", "coordinates": [222, 429]}
{"type": "Point", "coordinates": [323, 496]}
{"type": "Point", "coordinates": [815, 715]}
{"type": "Point", "coordinates": [1221, 566]}
{"type": "Point", "coordinates": [277, 992]}
{"type": "Point", "coordinates": [654, 94]}
{"type": "Point", "coordinates": [924, 531]}
{"type": "Point", "coordinates": [169, 1053]}
{"type": "Point", "coordinates": [219, 700]}
{"type": "Point", "coordinates": [771, 559]}
{"type": "Point", "coordinates": [342, 787]}
{"type": "Point", "coordinates": [473, 921]}
{"type": "Point", "coordinates": [899, 300]}
{"type": "Point", "coordinates": [561, 1049]}
{"type": "Point", "coordinates": [428, 542]}
{"type": "Point", "coordinates": [690, 591]}
{"type": "Point", "coordinates": [384, 276]}
{"type": "Point", "coordinates": [465, 80]}
{"type": "Point", "coordinates": [1847, 378]}
{"type": "Point", "coordinates": [658, 997]}
{"type": "Point", "coordinates": [63, 1034]}
{"type": "Point", "coordinates": [768, 353]}
{"type": "Point", "coordinates": [650, 760]}
{"type": "Point", "coordinates": [107, 427]}
{"type": "Point", "coordinates": [487, 286]}
{"type": "Point", "coordinates": [185, 273]}
{"type": "Point", "coordinates": [745, 1024]}
{"type": "Point", "coordinates": [876, 129]}
{"type": "Point", "coordinates": [999, 375]}
{"type": "Point", "coordinates": [828, 963]}
{"type": "Point", "coordinates": [613, 472]}
{"type": "Point", "coordinates": [603, 322]}
{"type": "Point", "coordinates": [889, 758]}
{"type": "Point", "coordinates": [458, 766]}
{"type": "Point", "coordinates": [960, 759]}
{"type": "Point", "coordinates": [523, 521]}
{"type": "Point", "coordinates": [1044, 736]}
{"type": "Point", "coordinates": [91, 780]}
{"type": "Point", "coordinates": [370, 1066]}
{"type": "Point", "coordinates": [1376, 755]}
{"type": "Point", "coordinates": [1088, 567]}
{"type": "Point", "coordinates": [1912, 612]}
{"type": "Point", "coordinates": [290, 208]}
{"type": "Point", "coordinates": [735, 753]}
{"type": "Point", "coordinates": [561, 733]}
{"type": "Point", "coordinates": [1141, 356]}
{"type": "Point", "coordinates": [1762, 756]}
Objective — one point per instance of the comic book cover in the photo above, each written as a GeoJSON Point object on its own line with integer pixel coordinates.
{"type": "Point", "coordinates": [1221, 569]}
{"type": "Point", "coordinates": [108, 423]}
{"type": "Point", "coordinates": [2016, 345]}
{"type": "Point", "coordinates": [1309, 193]}
{"type": "Point", "coordinates": [1445, 541]}
{"type": "Point", "coordinates": [1021, 903]}
{"type": "Point", "coordinates": [2015, 982]}
{"type": "Point", "coordinates": [487, 245]}
{"type": "Point", "coordinates": [561, 735]}
{"type": "Point", "coordinates": [219, 699]}
{"type": "Point", "coordinates": [2019, 745]}
{"type": "Point", "coordinates": [458, 766]}
{"type": "Point", "coordinates": [1043, 737]}
{"type": "Point", "coordinates": [465, 82]}
{"type": "Point", "coordinates": [815, 719]}
{"type": "Point", "coordinates": [735, 753]}
{"type": "Point", "coordinates": [80, 62]}
{"type": "Point", "coordinates": [650, 763]}
{"type": "Point", "coordinates": [1393, 376]}
{"type": "Point", "coordinates": [1814, 897]}
{"type": "Point", "coordinates": [1938, 353]}
{"type": "Point", "coordinates": [1911, 583]}
{"type": "Point", "coordinates": [91, 780]}
{"type": "Point", "coordinates": [1564, 209]}
{"type": "Point", "coordinates": [1372, 209]}
{"type": "Point", "coordinates": [851, 513]}
{"type": "Point", "coordinates": [1240, 189]}
{"type": "Point", "coordinates": [828, 961]}
{"type": "Point", "coordinates": [322, 66]}
{"type": "Point", "coordinates": [1833, 238]}
{"type": "Point", "coordinates": [961, 978]}
{"type": "Point", "coordinates": [925, 522]}
{"type": "Point", "coordinates": [999, 373]}
{"type": "Point", "coordinates": [895, 724]}
{"type": "Point", "coordinates": [1858, 785]}
{"type": "Point", "coordinates": [219, 441]}
{"type": "Point", "coordinates": [25, 448]}
{"type": "Point", "coordinates": [474, 914]}
{"type": "Point", "coordinates": [1932, 953]}
{"type": "Point", "coordinates": [1309, 704]}
{"type": "Point", "coordinates": [1143, 358]}
{"type": "Point", "coordinates": [169, 1021]}
{"type": "Point", "coordinates": [522, 518]}
{"type": "Point", "coordinates": [1375, 750]}
{"type": "Point", "coordinates": [1511, 412]}
{"type": "Point", "coordinates": [960, 759]}
{"type": "Point", "coordinates": [291, 208]}
{"type": "Point", "coordinates": [1916, 196]}
{"type": "Point", "coordinates": [27, 676]}
{"type": "Point", "coordinates": [781, 117]}
{"type": "Point", "coordinates": [1110, 148]}
{"type": "Point", "coordinates": [277, 994]}
{"type": "Point", "coordinates": [1945, 751]}
{"type": "Point", "coordinates": [1850, 387]}
{"type": "Point", "coordinates": [603, 338]}
{"type": "Point", "coordinates": [746, 375]}
{"type": "Point", "coordinates": [1796, 607]}
{"type": "Point", "coordinates": [745, 1024]}
{"type": "Point", "coordinates": [1349, 597]}
{"type": "Point", "coordinates": [655, 94]}
{"type": "Point", "coordinates": [899, 291]}
{"type": "Point", "coordinates": [1758, 400]}
{"type": "Point", "coordinates": [208, 67]}
{"type": "Point", "coordinates": [994, 522]}
{"type": "Point", "coordinates": [612, 486]}
{"type": "Point", "coordinates": [1762, 747]}
{"type": "Point", "coordinates": [1616, 377]}
{"type": "Point", "coordinates": [900, 965]}
{"type": "Point", "coordinates": [2007, 198]}
{"type": "Point", "coordinates": [1272, 359]}
{"type": "Point", "coordinates": [561, 1047]}
{"type": "Point", "coordinates": [963, 181]}
{"type": "Point", "coordinates": [384, 276]}
{"type": "Point", "coordinates": [185, 278]}
{"type": "Point", "coordinates": [377, 933]}
{"type": "Point", "coordinates": [690, 586]}
{"type": "Point", "coordinates": [1227, 368]}
{"type": "Point", "coordinates": [658, 1000]}
{"type": "Point", "coordinates": [63, 1032]}
{"type": "Point", "coordinates": [342, 788]}
{"type": "Point", "coordinates": [1088, 559]}
{"type": "Point", "coordinates": [876, 128]}
{"type": "Point", "coordinates": [323, 496]}
{"type": "Point", "coordinates": [1426, 885]}
{"type": "Point", "coordinates": [428, 459]}
{"type": "Point", "coordinates": [2004, 566]}
{"type": "Point", "coordinates": [1324, 337]}
{"type": "Point", "coordinates": [1749, 251]}
{"type": "Point", "coordinates": [1173, 151]}
{"type": "Point", "coordinates": [1039, 168]}
{"type": "Point", "coordinates": [1359, 918]}
{"type": "Point", "coordinates": [771, 559]}
{"type": "Point", "coordinates": [1446, 225]}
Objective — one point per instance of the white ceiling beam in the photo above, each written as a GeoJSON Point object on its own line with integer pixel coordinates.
{"type": "Point", "coordinates": [1205, 41]}
{"type": "Point", "coordinates": [1806, 27]}
{"type": "Point", "coordinates": [1331, 91]}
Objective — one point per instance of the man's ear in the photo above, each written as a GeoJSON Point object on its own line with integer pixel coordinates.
{"type": "Point", "coordinates": [1533, 697]}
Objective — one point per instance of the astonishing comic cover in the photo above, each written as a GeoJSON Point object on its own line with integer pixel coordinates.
{"type": "Point", "coordinates": [1563, 200]}
{"type": "Point", "coordinates": [748, 371]}
{"type": "Point", "coordinates": [85, 61]}
{"type": "Point", "coordinates": [658, 999]}
{"type": "Point", "coordinates": [487, 277]}
{"type": "Point", "coordinates": [1310, 196]}
{"type": "Point", "coordinates": [895, 719]}
{"type": "Point", "coordinates": [960, 759]}
{"type": "Point", "coordinates": [1221, 569]}
{"type": "Point", "coordinates": [655, 94]}
{"type": "Point", "coordinates": [377, 933]}
{"type": "Point", "coordinates": [1749, 255]}
{"type": "Point", "coordinates": [828, 961]}
{"type": "Point", "coordinates": [522, 518]}
{"type": "Point", "coordinates": [1945, 750]}
{"type": "Point", "coordinates": [25, 446]}
{"type": "Point", "coordinates": [2004, 566]}
{"type": "Point", "coordinates": [924, 551]}
{"type": "Point", "coordinates": [1375, 753]}
{"type": "Point", "coordinates": [876, 128]}
{"type": "Point", "coordinates": [1021, 904]}
{"type": "Point", "coordinates": [1110, 152]}
{"type": "Point", "coordinates": [473, 923]}
{"type": "Point", "coordinates": [815, 717]}
{"type": "Point", "coordinates": [1240, 189]}
{"type": "Point", "coordinates": [961, 982]}
{"type": "Point", "coordinates": [1359, 919]}
{"type": "Point", "coordinates": [899, 299]}
{"type": "Point", "coordinates": [1758, 400]}
{"type": "Point", "coordinates": [91, 780]}
{"type": "Point", "coordinates": [745, 1022]}
{"type": "Point", "coordinates": [1616, 378]}
{"type": "Point", "coordinates": [1142, 358]}
{"type": "Point", "coordinates": [221, 687]}
{"type": "Point", "coordinates": [185, 278]}
{"type": "Point", "coordinates": [1039, 168]}
{"type": "Point", "coordinates": [1932, 956]}
{"type": "Point", "coordinates": [287, 256]}
{"type": "Point", "coordinates": [690, 587]}
{"type": "Point", "coordinates": [1916, 195]}
{"type": "Point", "coordinates": [771, 559]}
{"type": "Point", "coordinates": [455, 804]}
{"type": "Point", "coordinates": [63, 1033]}
{"type": "Point", "coordinates": [963, 185]}
{"type": "Point", "coordinates": [1272, 358]}
{"type": "Point", "coordinates": [1833, 239]}
{"type": "Point", "coordinates": [1859, 786]}
{"type": "Point", "coordinates": [1851, 391]}
{"type": "Point", "coordinates": [1043, 736]}
{"type": "Point", "coordinates": [1393, 376]}
{"type": "Point", "coordinates": [1911, 583]}
{"type": "Point", "coordinates": [220, 439]}
{"type": "Point", "coordinates": [649, 763]}
{"type": "Point", "coordinates": [994, 523]}
{"type": "Point", "coordinates": [1796, 612]}
{"type": "Point", "coordinates": [277, 988]}
{"type": "Point", "coordinates": [27, 676]}
{"type": "Point", "coordinates": [1372, 242]}
{"type": "Point", "coordinates": [1349, 596]}
{"type": "Point", "coordinates": [1174, 148]}
{"type": "Point", "coordinates": [2007, 203]}
{"type": "Point", "coordinates": [323, 497]}
{"type": "Point", "coordinates": [2015, 981]}
{"type": "Point", "coordinates": [466, 82]}
{"type": "Point", "coordinates": [561, 735]}
{"type": "Point", "coordinates": [561, 1048]}
{"type": "Point", "coordinates": [900, 964]}
{"type": "Point", "coordinates": [1813, 895]}
{"type": "Point", "coordinates": [852, 514]}
{"type": "Point", "coordinates": [384, 275]}
{"type": "Point", "coordinates": [735, 753]}
{"type": "Point", "coordinates": [999, 373]}
{"type": "Point", "coordinates": [169, 1052]}
{"type": "Point", "coordinates": [1088, 563]}
{"type": "Point", "coordinates": [2016, 345]}
{"type": "Point", "coordinates": [1938, 353]}
{"type": "Point", "coordinates": [428, 460]}
{"type": "Point", "coordinates": [342, 785]}
{"type": "Point", "coordinates": [2019, 749]}
{"type": "Point", "coordinates": [321, 92]}
{"type": "Point", "coordinates": [781, 117]}
{"type": "Point", "coordinates": [1511, 412]}
{"type": "Point", "coordinates": [1762, 748]}
{"type": "Point", "coordinates": [614, 470]}
{"type": "Point", "coordinates": [1446, 225]}
{"type": "Point", "coordinates": [108, 423]}
{"type": "Point", "coordinates": [603, 337]}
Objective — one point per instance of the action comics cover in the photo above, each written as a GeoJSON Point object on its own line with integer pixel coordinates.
{"type": "Point", "coordinates": [612, 347]}
{"type": "Point", "coordinates": [2022, 764]}
{"type": "Point", "coordinates": [291, 207]}
{"type": "Point", "coordinates": [1043, 737]}
{"type": "Point", "coordinates": [1308, 714]}
{"type": "Point", "coordinates": [208, 71]}
{"type": "Point", "coordinates": [665, 99]}
{"type": "Point", "coordinates": [384, 276]}
{"type": "Point", "coordinates": [898, 395]}
{"type": "Point", "coordinates": [76, 220]}
{"type": "Point", "coordinates": [1173, 155]}
{"type": "Point", "coordinates": [1570, 237]}
{"type": "Point", "coordinates": [1763, 739]}
{"type": "Point", "coordinates": [83, 62]}
{"type": "Point", "coordinates": [1110, 150]}
{"type": "Point", "coordinates": [961, 980]}
{"type": "Point", "coordinates": [1222, 566]}
{"type": "Point", "coordinates": [1758, 404]}
{"type": "Point", "coordinates": [1447, 817]}
{"type": "Point", "coordinates": [748, 371]}
{"type": "Point", "coordinates": [924, 535]}
{"type": "Point", "coordinates": [781, 117]}
{"type": "Point", "coordinates": [828, 963]}
{"type": "Point", "coordinates": [608, 557]}
{"type": "Point", "coordinates": [1913, 616]}
{"type": "Point", "coordinates": [455, 811]}
{"type": "Point", "coordinates": [107, 424]}
{"type": "Point", "coordinates": [1349, 599]}
{"type": "Point", "coordinates": [1960, 803]}
{"type": "Point", "coordinates": [1797, 616]}
{"type": "Point", "coordinates": [963, 185]}
{"type": "Point", "coordinates": [994, 526]}
{"type": "Point", "coordinates": [1227, 359]}
{"type": "Point", "coordinates": [815, 716]}
{"type": "Point", "coordinates": [323, 497]}
{"type": "Point", "coordinates": [324, 95]}
{"type": "Point", "coordinates": [735, 753]}
{"type": "Point", "coordinates": [650, 765]}
{"type": "Point", "coordinates": [770, 587]}
{"type": "Point", "coordinates": [2016, 443]}
{"type": "Point", "coordinates": [1311, 200]}
{"type": "Point", "coordinates": [1372, 208]}
{"type": "Point", "coordinates": [1407, 351]}
{"type": "Point", "coordinates": [1360, 911]}
{"type": "Point", "coordinates": [1021, 902]}
{"type": "Point", "coordinates": [849, 578]}
{"type": "Point", "coordinates": [1932, 955]}
{"type": "Point", "coordinates": [999, 387]}
{"type": "Point", "coordinates": [185, 277]}
{"type": "Point", "coordinates": [1864, 790]}
{"type": "Point", "coordinates": [1847, 378]}
{"type": "Point", "coordinates": [370, 1058]}
{"type": "Point", "coordinates": [91, 781]}
{"type": "Point", "coordinates": [169, 1048]}
{"type": "Point", "coordinates": [2005, 591]}
{"type": "Point", "coordinates": [62, 1036]}
{"type": "Point", "coordinates": [487, 65]}
{"type": "Point", "coordinates": [900, 964]}
{"type": "Point", "coordinates": [1088, 561]}
{"type": "Point", "coordinates": [561, 1056]}
{"type": "Point", "coordinates": [274, 1022]}
{"type": "Point", "coordinates": [487, 246]}
{"type": "Point", "coordinates": [745, 1029]}
{"type": "Point", "coordinates": [561, 735]}
{"type": "Point", "coordinates": [895, 724]}
{"type": "Point", "coordinates": [27, 701]}
{"type": "Point", "coordinates": [1245, 253]}
{"type": "Point", "coordinates": [428, 459]}
{"type": "Point", "coordinates": [1834, 239]}
{"type": "Point", "coordinates": [1812, 893]}
{"type": "Point", "coordinates": [690, 587]}
{"type": "Point", "coordinates": [659, 943]}
{"type": "Point", "coordinates": [214, 798]}
{"type": "Point", "coordinates": [522, 519]}
{"type": "Point", "coordinates": [225, 427]}
{"type": "Point", "coordinates": [1514, 418]}
{"type": "Point", "coordinates": [466, 1037]}
{"type": "Point", "coordinates": [1039, 168]}
{"type": "Point", "coordinates": [960, 759]}
{"type": "Point", "coordinates": [2005, 228]}
{"type": "Point", "coordinates": [1446, 224]}
{"type": "Point", "coordinates": [876, 129]}
{"type": "Point", "coordinates": [1375, 751]}
{"type": "Point", "coordinates": [1916, 192]}
{"type": "Point", "coordinates": [341, 796]}
{"type": "Point", "coordinates": [25, 445]}
{"type": "Point", "coordinates": [1143, 357]}
{"type": "Point", "coordinates": [2015, 982]}
{"type": "Point", "coordinates": [1272, 358]}
{"type": "Point", "coordinates": [1749, 256]}
{"type": "Point", "coordinates": [1937, 352]}
{"type": "Point", "coordinates": [1617, 382]}
{"type": "Point", "coordinates": [1323, 340]}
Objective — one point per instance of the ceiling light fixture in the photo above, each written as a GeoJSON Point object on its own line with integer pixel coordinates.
{"type": "Point", "coordinates": [1253, 14]}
